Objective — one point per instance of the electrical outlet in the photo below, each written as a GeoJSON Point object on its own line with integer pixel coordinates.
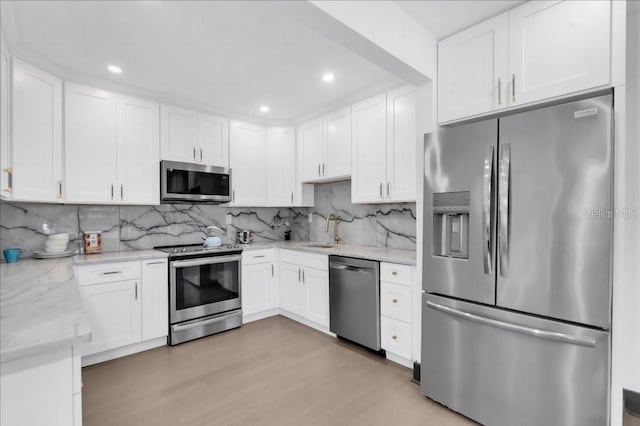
{"type": "Point", "coordinates": [310, 217]}
{"type": "Point", "coordinates": [228, 219]}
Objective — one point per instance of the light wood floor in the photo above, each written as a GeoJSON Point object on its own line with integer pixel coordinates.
{"type": "Point", "coordinates": [269, 372]}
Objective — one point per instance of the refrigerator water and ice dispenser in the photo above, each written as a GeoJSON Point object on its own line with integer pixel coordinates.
{"type": "Point", "coordinates": [451, 224]}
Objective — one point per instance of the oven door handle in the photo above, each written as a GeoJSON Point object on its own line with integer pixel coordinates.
{"type": "Point", "coordinates": [175, 264]}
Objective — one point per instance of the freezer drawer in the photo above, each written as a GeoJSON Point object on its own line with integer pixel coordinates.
{"type": "Point", "coordinates": [494, 367]}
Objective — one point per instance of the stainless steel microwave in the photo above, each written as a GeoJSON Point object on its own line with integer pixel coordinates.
{"type": "Point", "coordinates": [194, 183]}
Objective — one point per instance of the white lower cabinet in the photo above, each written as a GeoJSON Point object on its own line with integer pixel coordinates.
{"type": "Point", "coordinates": [41, 390]}
{"type": "Point", "coordinates": [304, 286]}
{"type": "Point", "coordinates": [259, 282]}
{"type": "Point", "coordinates": [126, 303]}
{"type": "Point", "coordinates": [396, 337]}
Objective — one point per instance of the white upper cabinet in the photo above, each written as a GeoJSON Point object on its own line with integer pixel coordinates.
{"type": "Point", "coordinates": [326, 147]}
{"type": "Point", "coordinates": [111, 148]}
{"type": "Point", "coordinates": [138, 151]}
{"type": "Point", "coordinates": [401, 145]}
{"type": "Point", "coordinates": [540, 50]}
{"type": "Point", "coordinates": [311, 145]}
{"type": "Point", "coordinates": [193, 137]}
{"type": "Point", "coordinates": [558, 47]}
{"type": "Point", "coordinates": [36, 134]}
{"type": "Point", "coordinates": [248, 158]}
{"type": "Point", "coordinates": [369, 150]}
{"type": "Point", "coordinates": [213, 139]}
{"type": "Point", "coordinates": [177, 134]}
{"type": "Point", "coordinates": [337, 151]}
{"type": "Point", "coordinates": [90, 145]}
{"type": "Point", "coordinates": [281, 166]}
{"type": "Point", "coordinates": [5, 151]}
{"type": "Point", "coordinates": [473, 70]}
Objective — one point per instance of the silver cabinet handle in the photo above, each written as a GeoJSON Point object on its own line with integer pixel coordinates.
{"type": "Point", "coordinates": [319, 169]}
{"type": "Point", "coordinates": [499, 91]}
{"type": "Point", "coordinates": [535, 332]}
{"type": "Point", "coordinates": [59, 189]}
{"type": "Point", "coordinates": [299, 279]}
{"type": "Point", "coordinates": [194, 152]}
{"type": "Point", "coordinates": [503, 216]}
{"type": "Point", "coordinates": [233, 195]}
{"type": "Point", "coordinates": [122, 191]}
{"type": "Point", "coordinates": [136, 290]}
{"type": "Point", "coordinates": [394, 337]}
{"type": "Point", "coordinates": [155, 263]}
{"type": "Point", "coordinates": [111, 272]}
{"type": "Point", "coordinates": [303, 276]}
{"type": "Point", "coordinates": [9, 171]}
{"type": "Point", "coordinates": [513, 88]}
{"type": "Point", "coordinates": [381, 194]}
{"type": "Point", "coordinates": [487, 241]}
{"type": "Point", "coordinates": [112, 191]}
{"type": "Point", "coordinates": [292, 198]}
{"type": "Point", "coordinates": [395, 300]}
{"type": "Point", "coordinates": [323, 172]}
{"type": "Point", "coordinates": [272, 270]}
{"type": "Point", "coordinates": [258, 256]}
{"type": "Point", "coordinates": [388, 189]}
{"type": "Point", "coordinates": [200, 154]}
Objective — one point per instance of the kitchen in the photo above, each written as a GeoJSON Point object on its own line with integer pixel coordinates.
{"type": "Point", "coordinates": [303, 197]}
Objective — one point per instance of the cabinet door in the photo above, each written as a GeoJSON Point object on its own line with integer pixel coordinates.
{"type": "Point", "coordinates": [248, 164]}
{"type": "Point", "coordinates": [316, 288]}
{"type": "Point", "coordinates": [155, 299]}
{"type": "Point", "coordinates": [178, 134]}
{"type": "Point", "coordinates": [337, 130]}
{"type": "Point", "coordinates": [292, 296]}
{"type": "Point", "coordinates": [401, 145]}
{"type": "Point", "coordinates": [558, 47]}
{"type": "Point", "coordinates": [281, 163]}
{"type": "Point", "coordinates": [36, 143]}
{"type": "Point", "coordinates": [369, 150]}
{"type": "Point", "coordinates": [5, 152]}
{"type": "Point", "coordinates": [257, 288]}
{"type": "Point", "coordinates": [138, 151]}
{"type": "Point", "coordinates": [90, 145]}
{"type": "Point", "coordinates": [114, 315]}
{"type": "Point", "coordinates": [213, 140]}
{"type": "Point", "coordinates": [472, 70]}
{"type": "Point", "coordinates": [311, 145]}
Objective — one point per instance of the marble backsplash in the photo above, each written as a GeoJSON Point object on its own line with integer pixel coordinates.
{"type": "Point", "coordinates": [379, 225]}
{"type": "Point", "coordinates": [143, 227]}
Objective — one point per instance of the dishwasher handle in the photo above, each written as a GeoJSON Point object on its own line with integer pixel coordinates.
{"type": "Point", "coordinates": [345, 267]}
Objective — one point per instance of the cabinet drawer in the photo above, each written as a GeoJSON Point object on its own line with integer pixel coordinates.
{"type": "Point", "coordinates": [396, 336]}
{"type": "Point", "coordinates": [395, 301]}
{"type": "Point", "coordinates": [399, 274]}
{"type": "Point", "coordinates": [292, 256]}
{"type": "Point", "coordinates": [108, 272]}
{"type": "Point", "coordinates": [253, 257]}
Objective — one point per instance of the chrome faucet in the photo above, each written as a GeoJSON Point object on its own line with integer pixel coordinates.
{"type": "Point", "coordinates": [336, 237]}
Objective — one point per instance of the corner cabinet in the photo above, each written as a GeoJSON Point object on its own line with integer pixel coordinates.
{"type": "Point", "coordinates": [325, 145]}
{"type": "Point", "coordinates": [111, 148]}
{"type": "Point", "coordinates": [34, 169]}
{"type": "Point", "coordinates": [194, 137]}
{"type": "Point", "coordinates": [384, 142]}
{"type": "Point", "coordinates": [541, 50]}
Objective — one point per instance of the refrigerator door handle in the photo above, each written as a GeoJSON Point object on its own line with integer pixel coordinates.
{"type": "Point", "coordinates": [503, 216]}
{"type": "Point", "coordinates": [516, 328]}
{"type": "Point", "coordinates": [486, 211]}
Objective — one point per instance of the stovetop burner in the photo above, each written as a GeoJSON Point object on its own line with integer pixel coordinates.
{"type": "Point", "coordinates": [195, 249]}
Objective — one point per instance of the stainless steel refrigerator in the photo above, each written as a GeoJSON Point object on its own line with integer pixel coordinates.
{"type": "Point", "coordinates": [516, 301]}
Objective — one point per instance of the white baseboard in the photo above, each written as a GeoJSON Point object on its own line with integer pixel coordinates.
{"type": "Point", "coordinates": [306, 322]}
{"type": "Point", "coordinates": [123, 351]}
{"type": "Point", "coordinates": [400, 360]}
{"type": "Point", "coordinates": [259, 315]}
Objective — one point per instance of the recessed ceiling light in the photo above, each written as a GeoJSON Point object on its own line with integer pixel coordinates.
{"type": "Point", "coordinates": [264, 108]}
{"type": "Point", "coordinates": [328, 77]}
{"type": "Point", "coordinates": [114, 69]}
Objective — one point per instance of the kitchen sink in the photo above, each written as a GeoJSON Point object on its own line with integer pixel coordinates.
{"type": "Point", "coordinates": [319, 245]}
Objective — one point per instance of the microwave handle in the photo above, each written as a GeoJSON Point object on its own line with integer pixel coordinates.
{"type": "Point", "coordinates": [206, 261]}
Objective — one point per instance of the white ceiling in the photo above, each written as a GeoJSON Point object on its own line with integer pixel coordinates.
{"type": "Point", "coordinates": [230, 57]}
{"type": "Point", "coordinates": [443, 18]}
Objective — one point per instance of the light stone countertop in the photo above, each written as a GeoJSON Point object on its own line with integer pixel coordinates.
{"type": "Point", "coordinates": [118, 256]}
{"type": "Point", "coordinates": [402, 256]}
{"type": "Point", "coordinates": [40, 308]}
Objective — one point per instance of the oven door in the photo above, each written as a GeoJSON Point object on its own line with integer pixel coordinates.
{"type": "Point", "coordinates": [205, 286]}
{"type": "Point", "coordinates": [186, 182]}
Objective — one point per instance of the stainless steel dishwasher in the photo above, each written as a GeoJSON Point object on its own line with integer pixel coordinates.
{"type": "Point", "coordinates": [354, 298]}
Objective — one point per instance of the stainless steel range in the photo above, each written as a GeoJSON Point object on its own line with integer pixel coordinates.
{"type": "Point", "coordinates": [204, 290]}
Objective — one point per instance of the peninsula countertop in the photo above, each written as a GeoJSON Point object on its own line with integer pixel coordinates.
{"type": "Point", "coordinates": [40, 308]}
